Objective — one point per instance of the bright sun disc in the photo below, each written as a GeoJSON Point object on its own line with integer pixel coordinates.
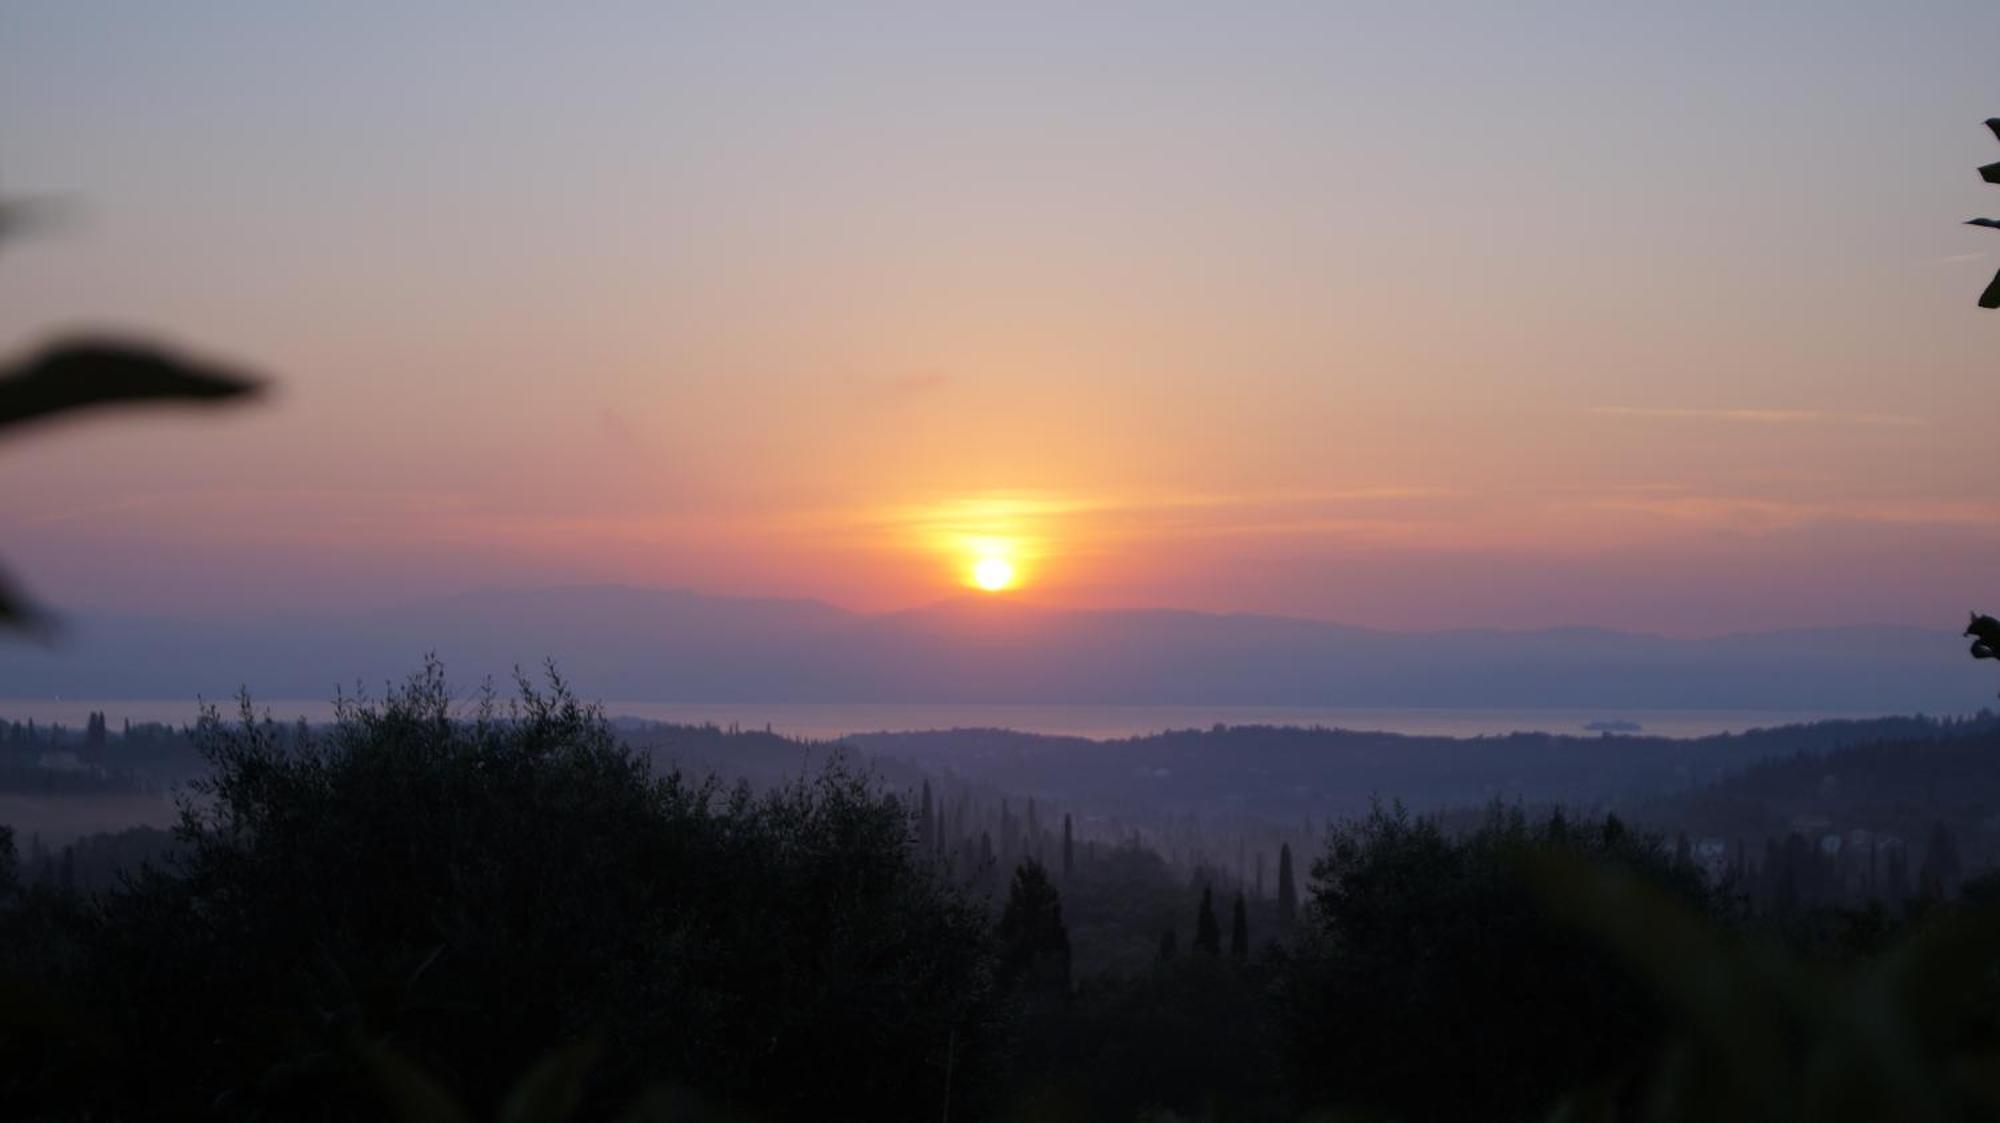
{"type": "Point", "coordinates": [993, 574]}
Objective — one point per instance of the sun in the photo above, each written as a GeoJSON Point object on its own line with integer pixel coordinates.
{"type": "Point", "coordinates": [993, 574]}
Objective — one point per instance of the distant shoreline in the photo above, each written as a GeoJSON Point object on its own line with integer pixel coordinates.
{"type": "Point", "coordinates": [825, 721]}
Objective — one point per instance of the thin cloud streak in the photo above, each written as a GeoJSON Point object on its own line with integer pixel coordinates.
{"type": "Point", "coordinates": [1761, 416]}
{"type": "Point", "coordinates": [1722, 509]}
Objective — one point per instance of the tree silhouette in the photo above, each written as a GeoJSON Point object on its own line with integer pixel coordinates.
{"type": "Point", "coordinates": [1939, 874]}
{"type": "Point", "coordinates": [1207, 933]}
{"type": "Point", "coordinates": [480, 888]}
{"type": "Point", "coordinates": [1288, 890]}
{"type": "Point", "coordinates": [1430, 983]}
{"type": "Point", "coordinates": [1034, 943]}
{"type": "Point", "coordinates": [1239, 931]}
{"type": "Point", "coordinates": [1069, 850]}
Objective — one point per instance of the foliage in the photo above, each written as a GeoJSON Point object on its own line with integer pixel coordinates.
{"type": "Point", "coordinates": [1191, 1038]}
{"type": "Point", "coordinates": [1288, 893]}
{"type": "Point", "coordinates": [1034, 943]}
{"type": "Point", "coordinates": [1430, 983]}
{"type": "Point", "coordinates": [1207, 933]}
{"type": "Point", "coordinates": [1990, 298]}
{"type": "Point", "coordinates": [474, 890]}
{"type": "Point", "coordinates": [1758, 1032]}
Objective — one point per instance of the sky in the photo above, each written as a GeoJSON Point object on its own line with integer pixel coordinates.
{"type": "Point", "coordinates": [1651, 316]}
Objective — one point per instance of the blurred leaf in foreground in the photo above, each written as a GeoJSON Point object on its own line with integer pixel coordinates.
{"type": "Point", "coordinates": [81, 373]}
{"type": "Point", "coordinates": [1762, 1034]}
{"type": "Point", "coordinates": [1991, 174]}
{"type": "Point", "coordinates": [18, 611]}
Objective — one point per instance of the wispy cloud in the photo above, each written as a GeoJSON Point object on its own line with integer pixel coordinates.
{"type": "Point", "coordinates": [1760, 416]}
{"type": "Point", "coordinates": [1747, 510]}
{"type": "Point", "coordinates": [1035, 523]}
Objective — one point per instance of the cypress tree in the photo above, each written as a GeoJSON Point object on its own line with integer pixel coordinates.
{"type": "Point", "coordinates": [1239, 931]}
{"type": "Point", "coordinates": [1896, 878]}
{"type": "Point", "coordinates": [1169, 946]}
{"type": "Point", "coordinates": [1207, 933]}
{"type": "Point", "coordinates": [1288, 890]}
{"type": "Point", "coordinates": [1069, 849]}
{"type": "Point", "coordinates": [1034, 942]}
{"type": "Point", "coordinates": [1938, 877]}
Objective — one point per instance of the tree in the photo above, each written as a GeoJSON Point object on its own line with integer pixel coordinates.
{"type": "Point", "coordinates": [1288, 890]}
{"type": "Point", "coordinates": [1169, 946]}
{"type": "Point", "coordinates": [1427, 985]}
{"type": "Point", "coordinates": [478, 890]}
{"type": "Point", "coordinates": [1034, 943]}
{"type": "Point", "coordinates": [1207, 933]}
{"type": "Point", "coordinates": [1069, 850]}
{"type": "Point", "coordinates": [1896, 876]}
{"type": "Point", "coordinates": [1239, 931]}
{"type": "Point", "coordinates": [1181, 1041]}
{"type": "Point", "coordinates": [1938, 877]}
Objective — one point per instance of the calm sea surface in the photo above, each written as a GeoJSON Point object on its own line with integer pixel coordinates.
{"type": "Point", "coordinates": [830, 721]}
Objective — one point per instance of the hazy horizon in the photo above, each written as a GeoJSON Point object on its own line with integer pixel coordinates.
{"type": "Point", "coordinates": [664, 646]}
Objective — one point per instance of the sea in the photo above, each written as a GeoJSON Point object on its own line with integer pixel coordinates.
{"type": "Point", "coordinates": [830, 721]}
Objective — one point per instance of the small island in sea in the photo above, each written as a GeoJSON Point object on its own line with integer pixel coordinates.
{"type": "Point", "coordinates": [1614, 725]}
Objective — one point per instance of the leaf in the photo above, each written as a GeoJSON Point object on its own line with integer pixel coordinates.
{"type": "Point", "coordinates": [1991, 297]}
{"type": "Point", "coordinates": [416, 1097]}
{"type": "Point", "coordinates": [18, 611]}
{"type": "Point", "coordinates": [19, 215]}
{"type": "Point", "coordinates": [80, 373]}
{"type": "Point", "coordinates": [1729, 1003]}
{"type": "Point", "coordinates": [553, 1088]}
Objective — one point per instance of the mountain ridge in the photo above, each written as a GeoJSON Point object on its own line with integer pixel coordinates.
{"type": "Point", "coordinates": [678, 645]}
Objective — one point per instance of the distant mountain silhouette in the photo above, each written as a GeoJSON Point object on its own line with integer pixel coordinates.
{"type": "Point", "coordinates": [672, 645]}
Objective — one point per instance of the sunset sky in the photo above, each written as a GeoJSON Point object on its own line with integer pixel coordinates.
{"type": "Point", "coordinates": [1651, 316]}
